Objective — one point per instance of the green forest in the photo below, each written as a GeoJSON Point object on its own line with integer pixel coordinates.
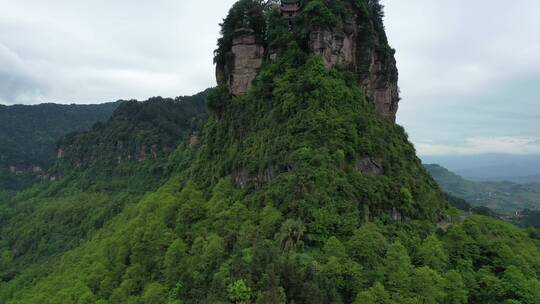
{"type": "Point", "coordinates": [270, 206]}
{"type": "Point", "coordinates": [29, 134]}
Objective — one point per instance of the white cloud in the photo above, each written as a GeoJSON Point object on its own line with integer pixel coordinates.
{"type": "Point", "coordinates": [483, 145]}
{"type": "Point", "coordinates": [96, 51]}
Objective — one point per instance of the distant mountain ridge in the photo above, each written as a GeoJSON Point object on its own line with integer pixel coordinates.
{"type": "Point", "coordinates": [136, 131]}
{"type": "Point", "coordinates": [35, 137]}
{"type": "Point", "coordinates": [521, 169]}
{"type": "Point", "coordinates": [525, 179]}
{"type": "Point", "coordinates": [502, 195]}
{"type": "Point", "coordinates": [28, 133]}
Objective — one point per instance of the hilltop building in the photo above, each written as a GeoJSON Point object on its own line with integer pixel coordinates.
{"type": "Point", "coordinates": [289, 10]}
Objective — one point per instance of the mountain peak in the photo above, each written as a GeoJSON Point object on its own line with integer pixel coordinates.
{"type": "Point", "coordinates": [345, 34]}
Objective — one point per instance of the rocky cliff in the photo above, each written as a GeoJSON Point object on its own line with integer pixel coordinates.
{"type": "Point", "coordinates": [356, 43]}
{"type": "Point", "coordinates": [247, 59]}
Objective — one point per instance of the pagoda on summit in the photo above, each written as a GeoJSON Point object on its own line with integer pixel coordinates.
{"type": "Point", "coordinates": [290, 8]}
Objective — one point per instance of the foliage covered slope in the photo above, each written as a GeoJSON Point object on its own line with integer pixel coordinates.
{"type": "Point", "coordinates": [136, 132]}
{"type": "Point", "coordinates": [28, 134]}
{"type": "Point", "coordinates": [273, 208]}
{"type": "Point", "coordinates": [28, 137]}
{"type": "Point", "coordinates": [40, 224]}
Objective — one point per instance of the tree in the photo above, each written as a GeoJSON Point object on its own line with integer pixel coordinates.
{"type": "Point", "coordinates": [455, 289]}
{"type": "Point", "coordinates": [488, 289]}
{"type": "Point", "coordinates": [375, 295]}
{"type": "Point", "coordinates": [459, 245]}
{"type": "Point", "coordinates": [367, 246]}
{"type": "Point", "coordinates": [270, 218]}
{"type": "Point", "coordinates": [334, 248]}
{"type": "Point", "coordinates": [154, 293]}
{"type": "Point", "coordinates": [172, 262]}
{"type": "Point", "coordinates": [291, 234]}
{"type": "Point", "coordinates": [407, 200]}
{"type": "Point", "coordinates": [239, 292]}
{"type": "Point", "coordinates": [397, 268]}
{"type": "Point", "coordinates": [427, 285]}
{"type": "Point", "coordinates": [432, 254]}
{"type": "Point", "coordinates": [515, 284]}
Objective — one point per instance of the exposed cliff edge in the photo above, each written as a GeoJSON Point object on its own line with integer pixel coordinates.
{"type": "Point", "coordinates": [357, 42]}
{"type": "Point", "coordinates": [356, 45]}
{"type": "Point", "coordinates": [247, 59]}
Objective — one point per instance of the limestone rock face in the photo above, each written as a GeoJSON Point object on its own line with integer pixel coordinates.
{"type": "Point", "coordinates": [336, 48]}
{"type": "Point", "coordinates": [370, 166]}
{"type": "Point", "coordinates": [380, 80]}
{"type": "Point", "coordinates": [356, 46]}
{"type": "Point", "coordinates": [247, 60]}
{"type": "Point", "coordinates": [243, 178]}
{"type": "Point", "coordinates": [195, 139]}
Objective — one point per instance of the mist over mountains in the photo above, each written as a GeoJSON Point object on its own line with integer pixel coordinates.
{"type": "Point", "coordinates": [521, 169]}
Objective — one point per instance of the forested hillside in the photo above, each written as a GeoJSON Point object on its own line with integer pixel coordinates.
{"type": "Point", "coordinates": [40, 224]}
{"type": "Point", "coordinates": [301, 189]}
{"type": "Point", "coordinates": [28, 134]}
{"type": "Point", "coordinates": [136, 132]}
{"type": "Point", "coordinates": [28, 137]}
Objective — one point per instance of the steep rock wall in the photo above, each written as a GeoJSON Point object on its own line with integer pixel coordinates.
{"type": "Point", "coordinates": [357, 46]}
{"type": "Point", "coordinates": [247, 58]}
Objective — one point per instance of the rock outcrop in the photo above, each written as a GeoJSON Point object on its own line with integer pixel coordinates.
{"type": "Point", "coordinates": [243, 178]}
{"type": "Point", "coordinates": [247, 58]}
{"type": "Point", "coordinates": [378, 75]}
{"type": "Point", "coordinates": [25, 169]}
{"type": "Point", "coordinates": [358, 47]}
{"type": "Point", "coordinates": [337, 48]}
{"type": "Point", "coordinates": [195, 139]}
{"type": "Point", "coordinates": [358, 44]}
{"type": "Point", "coordinates": [370, 166]}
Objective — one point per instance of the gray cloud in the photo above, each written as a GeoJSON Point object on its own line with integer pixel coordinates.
{"type": "Point", "coordinates": [16, 81]}
{"type": "Point", "coordinates": [468, 69]}
{"type": "Point", "coordinates": [95, 51]}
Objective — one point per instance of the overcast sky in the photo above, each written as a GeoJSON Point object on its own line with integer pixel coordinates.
{"type": "Point", "coordinates": [469, 70]}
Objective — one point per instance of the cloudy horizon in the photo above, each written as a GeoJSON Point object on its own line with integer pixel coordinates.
{"type": "Point", "coordinates": [468, 71]}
